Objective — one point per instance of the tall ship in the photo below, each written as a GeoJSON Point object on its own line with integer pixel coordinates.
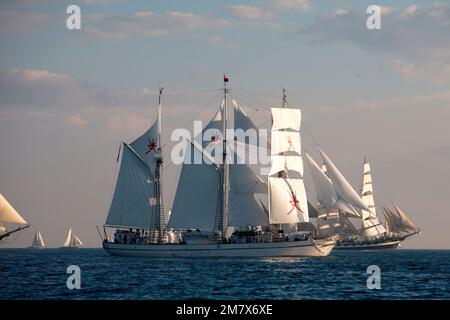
{"type": "Point", "coordinates": [72, 240]}
{"type": "Point", "coordinates": [221, 208]}
{"type": "Point", "coordinates": [373, 235]}
{"type": "Point", "coordinates": [38, 242]}
{"type": "Point", "coordinates": [11, 221]}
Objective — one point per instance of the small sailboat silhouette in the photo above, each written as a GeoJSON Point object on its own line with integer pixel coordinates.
{"type": "Point", "coordinates": [38, 242]}
{"type": "Point", "coordinates": [72, 241]}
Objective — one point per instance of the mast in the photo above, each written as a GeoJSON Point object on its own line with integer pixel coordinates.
{"type": "Point", "coordinates": [159, 221]}
{"type": "Point", "coordinates": [282, 174]}
{"type": "Point", "coordinates": [221, 221]}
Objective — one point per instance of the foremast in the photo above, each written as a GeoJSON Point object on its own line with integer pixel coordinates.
{"type": "Point", "coordinates": [221, 219]}
{"type": "Point", "coordinates": [157, 232]}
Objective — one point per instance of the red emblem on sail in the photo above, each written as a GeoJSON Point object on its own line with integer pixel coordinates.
{"type": "Point", "coordinates": [289, 142]}
{"type": "Point", "coordinates": [151, 145]}
{"type": "Point", "coordinates": [294, 202]}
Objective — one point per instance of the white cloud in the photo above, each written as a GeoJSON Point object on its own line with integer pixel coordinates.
{"type": "Point", "coordinates": [286, 5]}
{"type": "Point", "coordinates": [131, 123]}
{"type": "Point", "coordinates": [340, 12]}
{"type": "Point", "coordinates": [268, 9]}
{"type": "Point", "coordinates": [12, 21]}
{"type": "Point", "coordinates": [409, 11]}
{"type": "Point", "coordinates": [46, 89]}
{"type": "Point", "coordinates": [249, 12]}
{"type": "Point", "coordinates": [147, 24]}
{"type": "Point", "coordinates": [76, 120]}
{"type": "Point", "coordinates": [433, 100]}
{"type": "Point", "coordinates": [416, 40]}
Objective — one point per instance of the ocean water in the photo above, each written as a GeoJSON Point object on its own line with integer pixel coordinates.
{"type": "Point", "coordinates": [405, 274]}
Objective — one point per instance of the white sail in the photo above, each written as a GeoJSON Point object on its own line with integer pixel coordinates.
{"type": "Point", "coordinates": [133, 198]}
{"type": "Point", "coordinates": [8, 214]}
{"type": "Point", "coordinates": [405, 220]}
{"type": "Point", "coordinates": [38, 242]}
{"type": "Point", "coordinates": [367, 193]}
{"type": "Point", "coordinates": [286, 118]}
{"type": "Point", "coordinates": [212, 132]}
{"type": "Point", "coordinates": [76, 242]}
{"type": "Point", "coordinates": [393, 221]}
{"type": "Point", "coordinates": [326, 195]}
{"type": "Point", "coordinates": [195, 203]}
{"type": "Point", "coordinates": [343, 188]}
{"type": "Point", "coordinates": [329, 222]}
{"type": "Point", "coordinates": [196, 195]}
{"type": "Point", "coordinates": [285, 141]}
{"type": "Point", "coordinates": [244, 208]}
{"type": "Point", "coordinates": [146, 146]}
{"type": "Point", "coordinates": [287, 201]}
{"type": "Point", "coordinates": [290, 164]}
{"type": "Point", "coordinates": [371, 225]}
{"type": "Point", "coordinates": [241, 118]}
{"type": "Point", "coordinates": [68, 239]}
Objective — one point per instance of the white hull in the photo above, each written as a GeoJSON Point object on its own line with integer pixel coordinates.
{"type": "Point", "coordinates": [309, 248]}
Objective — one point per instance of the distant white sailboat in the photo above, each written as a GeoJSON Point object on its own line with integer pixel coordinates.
{"type": "Point", "coordinates": [38, 242]}
{"type": "Point", "coordinates": [10, 216]}
{"type": "Point", "coordinates": [72, 241]}
{"type": "Point", "coordinates": [373, 235]}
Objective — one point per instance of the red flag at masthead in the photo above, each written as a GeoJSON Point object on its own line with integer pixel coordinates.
{"type": "Point", "coordinates": [225, 78]}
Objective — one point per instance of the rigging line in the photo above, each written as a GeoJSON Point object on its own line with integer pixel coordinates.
{"type": "Point", "coordinates": [173, 189]}
{"type": "Point", "coordinates": [310, 135]}
{"type": "Point", "coordinates": [264, 106]}
{"type": "Point", "coordinates": [258, 94]}
{"type": "Point", "coordinates": [254, 110]}
{"type": "Point", "coordinates": [202, 108]}
{"type": "Point", "coordinates": [185, 93]}
{"type": "Point", "coordinates": [382, 191]}
{"type": "Point", "coordinates": [238, 97]}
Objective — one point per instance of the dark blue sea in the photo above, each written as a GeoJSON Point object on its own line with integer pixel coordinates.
{"type": "Point", "coordinates": [404, 274]}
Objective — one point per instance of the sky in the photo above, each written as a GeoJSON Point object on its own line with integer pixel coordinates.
{"type": "Point", "coordinates": [68, 97]}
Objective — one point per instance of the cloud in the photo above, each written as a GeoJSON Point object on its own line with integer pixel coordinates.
{"type": "Point", "coordinates": [433, 100]}
{"type": "Point", "coordinates": [416, 39]}
{"type": "Point", "coordinates": [269, 9]}
{"type": "Point", "coordinates": [249, 12]}
{"type": "Point", "coordinates": [76, 120]}
{"type": "Point", "coordinates": [113, 27]}
{"type": "Point", "coordinates": [435, 70]}
{"type": "Point", "coordinates": [46, 89]}
{"type": "Point", "coordinates": [25, 87]}
{"type": "Point", "coordinates": [147, 24]}
{"type": "Point", "coordinates": [13, 21]}
{"type": "Point", "coordinates": [133, 123]}
{"type": "Point", "coordinates": [286, 5]}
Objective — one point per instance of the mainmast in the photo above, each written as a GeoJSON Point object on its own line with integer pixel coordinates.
{"type": "Point", "coordinates": [159, 220]}
{"type": "Point", "coordinates": [221, 221]}
{"type": "Point", "coordinates": [282, 174]}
